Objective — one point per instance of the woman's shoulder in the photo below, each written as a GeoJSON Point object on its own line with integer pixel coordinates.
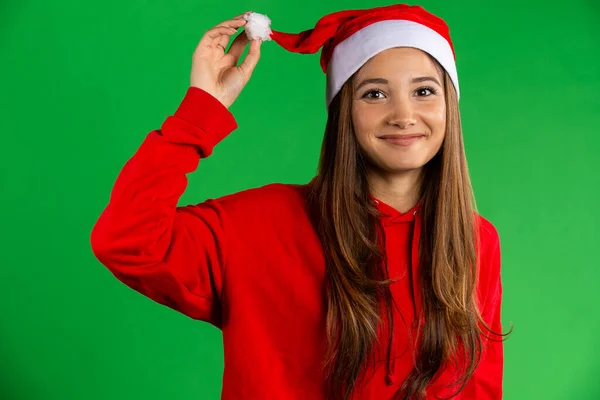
{"type": "Point", "coordinates": [487, 230]}
{"type": "Point", "coordinates": [489, 249]}
{"type": "Point", "coordinates": [273, 198]}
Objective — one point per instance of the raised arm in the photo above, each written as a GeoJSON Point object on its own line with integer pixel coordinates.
{"type": "Point", "coordinates": [174, 255]}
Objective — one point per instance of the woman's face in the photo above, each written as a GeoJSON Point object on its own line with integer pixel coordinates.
{"type": "Point", "coordinates": [399, 109]}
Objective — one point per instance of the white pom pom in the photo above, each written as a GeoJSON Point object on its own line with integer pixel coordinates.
{"type": "Point", "coordinates": [258, 26]}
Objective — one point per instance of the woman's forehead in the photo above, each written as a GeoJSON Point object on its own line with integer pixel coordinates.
{"type": "Point", "coordinates": [399, 62]}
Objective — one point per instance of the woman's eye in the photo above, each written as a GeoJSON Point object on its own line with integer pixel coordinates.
{"type": "Point", "coordinates": [425, 91]}
{"type": "Point", "coordinates": [373, 94]}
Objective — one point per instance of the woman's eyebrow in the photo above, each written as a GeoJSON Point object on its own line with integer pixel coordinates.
{"type": "Point", "coordinates": [372, 80]}
{"type": "Point", "coordinates": [383, 81]}
{"type": "Point", "coordinates": [424, 79]}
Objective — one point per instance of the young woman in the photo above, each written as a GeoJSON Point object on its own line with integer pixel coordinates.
{"type": "Point", "coordinates": [376, 280]}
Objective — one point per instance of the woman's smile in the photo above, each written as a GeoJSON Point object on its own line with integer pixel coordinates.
{"type": "Point", "coordinates": [403, 140]}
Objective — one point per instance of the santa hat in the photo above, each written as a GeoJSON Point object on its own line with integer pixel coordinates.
{"type": "Point", "coordinates": [350, 38]}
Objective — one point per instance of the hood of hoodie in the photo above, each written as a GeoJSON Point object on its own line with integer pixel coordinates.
{"type": "Point", "coordinates": [391, 220]}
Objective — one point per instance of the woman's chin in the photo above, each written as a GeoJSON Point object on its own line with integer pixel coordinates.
{"type": "Point", "coordinates": [400, 167]}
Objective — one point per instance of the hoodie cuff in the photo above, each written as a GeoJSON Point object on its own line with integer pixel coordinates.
{"type": "Point", "coordinates": [205, 112]}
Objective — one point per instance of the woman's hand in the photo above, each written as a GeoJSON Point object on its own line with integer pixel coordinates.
{"type": "Point", "coordinates": [217, 72]}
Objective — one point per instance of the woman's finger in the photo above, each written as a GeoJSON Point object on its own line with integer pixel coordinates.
{"type": "Point", "coordinates": [223, 41]}
{"type": "Point", "coordinates": [237, 47]}
{"type": "Point", "coordinates": [241, 15]}
{"type": "Point", "coordinates": [214, 34]}
{"type": "Point", "coordinates": [233, 23]}
{"type": "Point", "coordinates": [222, 31]}
{"type": "Point", "coordinates": [251, 59]}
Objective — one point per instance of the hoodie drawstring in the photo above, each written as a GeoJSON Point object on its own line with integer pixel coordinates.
{"type": "Point", "coordinates": [414, 265]}
{"type": "Point", "coordinates": [415, 295]}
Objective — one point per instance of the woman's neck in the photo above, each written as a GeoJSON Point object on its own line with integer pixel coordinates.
{"type": "Point", "coordinates": [399, 189]}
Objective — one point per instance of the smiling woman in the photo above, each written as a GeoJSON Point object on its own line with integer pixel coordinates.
{"type": "Point", "coordinates": [421, 182]}
{"type": "Point", "coordinates": [376, 280]}
{"type": "Point", "coordinates": [399, 114]}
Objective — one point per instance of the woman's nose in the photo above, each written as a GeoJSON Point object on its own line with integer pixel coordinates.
{"type": "Point", "coordinates": [402, 114]}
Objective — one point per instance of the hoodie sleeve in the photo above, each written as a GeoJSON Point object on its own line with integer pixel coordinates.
{"type": "Point", "coordinates": [486, 383]}
{"type": "Point", "coordinates": [173, 255]}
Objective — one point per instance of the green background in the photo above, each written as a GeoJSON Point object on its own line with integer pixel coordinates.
{"type": "Point", "coordinates": [82, 84]}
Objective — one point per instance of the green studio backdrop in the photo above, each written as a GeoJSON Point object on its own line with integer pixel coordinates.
{"type": "Point", "coordinates": [83, 83]}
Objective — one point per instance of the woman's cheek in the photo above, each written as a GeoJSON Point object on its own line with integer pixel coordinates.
{"type": "Point", "coordinates": [361, 124]}
{"type": "Point", "coordinates": [436, 113]}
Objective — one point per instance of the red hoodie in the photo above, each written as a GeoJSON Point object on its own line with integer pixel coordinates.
{"type": "Point", "coordinates": [252, 265]}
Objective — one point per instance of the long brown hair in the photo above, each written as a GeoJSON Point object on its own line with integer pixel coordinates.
{"type": "Point", "coordinates": [356, 284]}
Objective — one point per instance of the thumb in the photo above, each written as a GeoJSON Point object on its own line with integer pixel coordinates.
{"type": "Point", "coordinates": [251, 59]}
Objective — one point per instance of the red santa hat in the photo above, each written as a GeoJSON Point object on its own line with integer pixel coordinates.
{"type": "Point", "coordinates": [350, 38]}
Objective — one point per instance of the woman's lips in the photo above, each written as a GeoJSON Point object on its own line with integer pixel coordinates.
{"type": "Point", "coordinates": [402, 140]}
